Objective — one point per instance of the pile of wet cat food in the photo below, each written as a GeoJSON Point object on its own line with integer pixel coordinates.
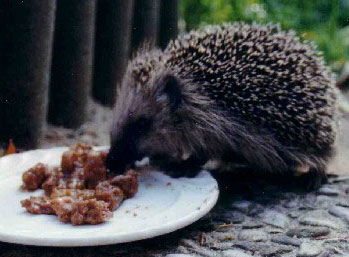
{"type": "Point", "coordinates": [81, 190]}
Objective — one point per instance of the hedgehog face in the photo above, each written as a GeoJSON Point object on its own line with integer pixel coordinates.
{"type": "Point", "coordinates": [146, 122]}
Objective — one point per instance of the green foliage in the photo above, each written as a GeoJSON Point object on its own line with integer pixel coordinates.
{"type": "Point", "coordinates": [323, 21]}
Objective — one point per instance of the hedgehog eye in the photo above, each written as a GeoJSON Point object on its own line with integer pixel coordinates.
{"type": "Point", "coordinates": [137, 128]}
{"type": "Point", "coordinates": [144, 123]}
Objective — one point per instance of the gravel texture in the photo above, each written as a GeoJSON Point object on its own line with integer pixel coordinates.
{"type": "Point", "coordinates": [253, 217]}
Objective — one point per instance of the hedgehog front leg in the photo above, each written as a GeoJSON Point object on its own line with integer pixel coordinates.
{"type": "Point", "coordinates": [310, 169]}
{"type": "Point", "coordinates": [311, 178]}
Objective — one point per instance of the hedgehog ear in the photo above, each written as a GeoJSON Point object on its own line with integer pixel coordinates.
{"type": "Point", "coordinates": [172, 89]}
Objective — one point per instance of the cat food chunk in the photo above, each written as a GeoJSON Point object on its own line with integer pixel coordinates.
{"type": "Point", "coordinates": [112, 195]}
{"type": "Point", "coordinates": [38, 205]}
{"type": "Point", "coordinates": [79, 191]}
{"type": "Point", "coordinates": [90, 211]}
{"type": "Point", "coordinates": [127, 182]}
{"type": "Point", "coordinates": [34, 177]}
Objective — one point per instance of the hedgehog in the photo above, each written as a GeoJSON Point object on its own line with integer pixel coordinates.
{"type": "Point", "coordinates": [249, 94]}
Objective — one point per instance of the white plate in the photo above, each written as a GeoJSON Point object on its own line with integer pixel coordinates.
{"type": "Point", "coordinates": [161, 205]}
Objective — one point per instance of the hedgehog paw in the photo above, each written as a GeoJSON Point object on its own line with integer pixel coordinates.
{"type": "Point", "coordinates": [313, 179]}
{"type": "Point", "coordinates": [187, 168]}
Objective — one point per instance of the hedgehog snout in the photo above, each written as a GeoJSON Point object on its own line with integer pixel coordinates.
{"type": "Point", "coordinates": [122, 156]}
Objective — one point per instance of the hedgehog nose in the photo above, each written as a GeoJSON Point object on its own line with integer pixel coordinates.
{"type": "Point", "coordinates": [119, 160]}
{"type": "Point", "coordinates": [113, 164]}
